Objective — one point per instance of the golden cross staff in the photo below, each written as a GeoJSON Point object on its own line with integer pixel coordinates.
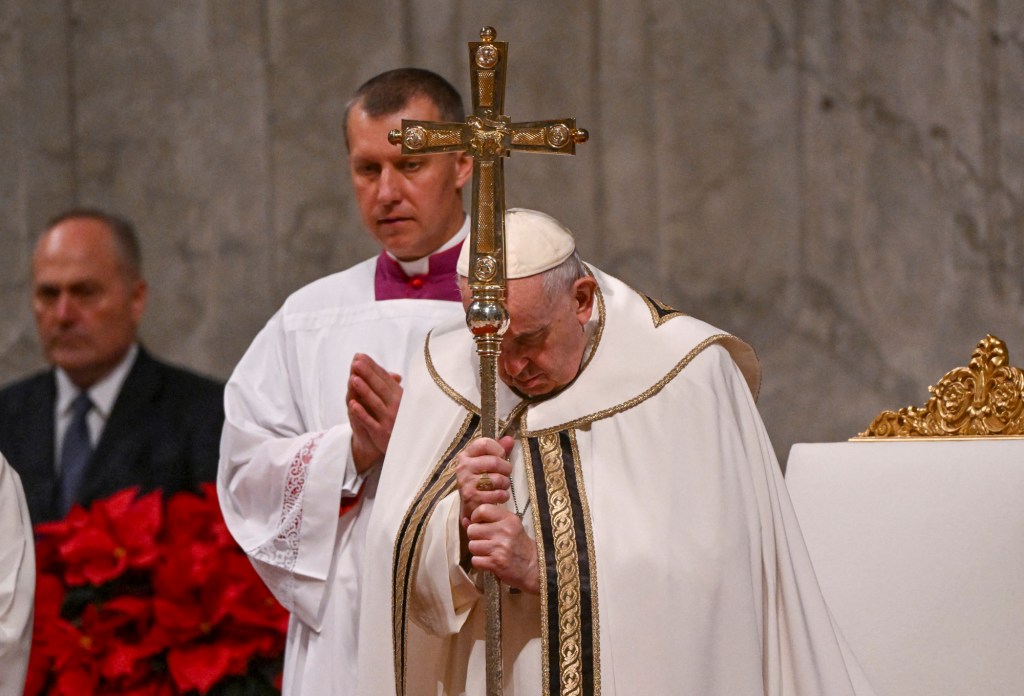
{"type": "Point", "coordinates": [489, 136]}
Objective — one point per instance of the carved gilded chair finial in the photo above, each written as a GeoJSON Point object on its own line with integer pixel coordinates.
{"type": "Point", "coordinates": [984, 398]}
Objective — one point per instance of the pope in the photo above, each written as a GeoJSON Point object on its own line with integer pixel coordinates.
{"type": "Point", "coordinates": [632, 508]}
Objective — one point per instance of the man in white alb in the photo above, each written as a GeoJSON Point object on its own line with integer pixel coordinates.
{"type": "Point", "coordinates": [309, 408]}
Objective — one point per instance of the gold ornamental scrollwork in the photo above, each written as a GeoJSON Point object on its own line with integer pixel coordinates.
{"type": "Point", "coordinates": [557, 136]}
{"type": "Point", "coordinates": [485, 269]}
{"type": "Point", "coordinates": [415, 138]}
{"type": "Point", "coordinates": [487, 56]}
{"type": "Point", "coordinates": [984, 398]}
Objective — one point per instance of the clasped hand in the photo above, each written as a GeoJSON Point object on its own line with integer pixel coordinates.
{"type": "Point", "coordinates": [372, 397]}
{"type": "Point", "coordinates": [493, 536]}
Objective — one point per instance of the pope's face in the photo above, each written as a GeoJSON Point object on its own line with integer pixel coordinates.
{"type": "Point", "coordinates": [543, 347]}
{"type": "Point", "coordinates": [87, 308]}
{"type": "Point", "coordinates": [411, 205]}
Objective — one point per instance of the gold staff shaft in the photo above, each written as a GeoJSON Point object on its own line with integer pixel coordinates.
{"type": "Point", "coordinates": [487, 319]}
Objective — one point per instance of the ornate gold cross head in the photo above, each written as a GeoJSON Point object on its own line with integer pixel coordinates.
{"type": "Point", "coordinates": [488, 135]}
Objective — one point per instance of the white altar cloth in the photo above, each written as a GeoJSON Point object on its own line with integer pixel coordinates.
{"type": "Point", "coordinates": [919, 550]}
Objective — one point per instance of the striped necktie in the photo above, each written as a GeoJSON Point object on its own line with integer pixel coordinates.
{"type": "Point", "coordinates": [75, 452]}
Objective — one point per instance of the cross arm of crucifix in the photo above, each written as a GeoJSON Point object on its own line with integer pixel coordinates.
{"type": "Point", "coordinates": [489, 136]}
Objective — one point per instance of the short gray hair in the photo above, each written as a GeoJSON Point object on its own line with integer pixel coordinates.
{"type": "Point", "coordinates": [126, 241]}
{"type": "Point", "coordinates": [559, 279]}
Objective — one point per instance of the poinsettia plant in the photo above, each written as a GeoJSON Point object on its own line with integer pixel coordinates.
{"type": "Point", "coordinates": [139, 595]}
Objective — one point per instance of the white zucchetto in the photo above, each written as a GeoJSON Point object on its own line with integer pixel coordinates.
{"type": "Point", "coordinates": [534, 242]}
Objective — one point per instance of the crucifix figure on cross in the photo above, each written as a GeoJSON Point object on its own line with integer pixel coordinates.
{"type": "Point", "coordinates": [489, 136]}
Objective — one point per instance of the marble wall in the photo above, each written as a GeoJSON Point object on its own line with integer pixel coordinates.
{"type": "Point", "coordinates": [840, 182]}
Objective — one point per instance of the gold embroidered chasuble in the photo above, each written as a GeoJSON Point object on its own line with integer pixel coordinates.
{"type": "Point", "coordinates": [670, 559]}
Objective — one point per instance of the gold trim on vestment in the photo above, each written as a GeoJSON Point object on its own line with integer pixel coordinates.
{"type": "Point", "coordinates": [575, 666]}
{"type": "Point", "coordinates": [640, 398]}
{"type": "Point", "coordinates": [666, 313]}
{"type": "Point", "coordinates": [742, 362]}
{"type": "Point", "coordinates": [405, 564]}
{"type": "Point", "coordinates": [567, 563]}
{"type": "Point", "coordinates": [595, 623]}
{"type": "Point", "coordinates": [542, 564]}
{"type": "Point", "coordinates": [503, 423]}
{"type": "Point", "coordinates": [441, 384]}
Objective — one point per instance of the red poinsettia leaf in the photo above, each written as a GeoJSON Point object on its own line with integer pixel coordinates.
{"type": "Point", "coordinates": [139, 523]}
{"type": "Point", "coordinates": [154, 641]}
{"type": "Point", "coordinates": [247, 601]}
{"type": "Point", "coordinates": [143, 558]}
{"type": "Point", "coordinates": [135, 527]}
{"type": "Point", "coordinates": [100, 571]}
{"type": "Point", "coordinates": [119, 662]}
{"type": "Point", "coordinates": [68, 646]}
{"type": "Point", "coordinates": [126, 663]}
{"type": "Point", "coordinates": [92, 556]}
{"type": "Point", "coordinates": [125, 621]}
{"type": "Point", "coordinates": [199, 667]}
{"type": "Point", "coordinates": [39, 666]}
{"type": "Point", "coordinates": [177, 614]}
{"type": "Point", "coordinates": [51, 532]}
{"type": "Point", "coordinates": [129, 607]}
{"type": "Point", "coordinates": [58, 529]}
{"type": "Point", "coordinates": [50, 593]}
{"type": "Point", "coordinates": [198, 519]}
{"type": "Point", "coordinates": [219, 528]}
{"type": "Point", "coordinates": [188, 518]}
{"type": "Point", "coordinates": [262, 644]}
{"type": "Point", "coordinates": [86, 543]}
{"type": "Point", "coordinates": [186, 568]}
{"type": "Point", "coordinates": [96, 626]}
{"type": "Point", "coordinates": [115, 506]}
{"type": "Point", "coordinates": [75, 681]}
{"type": "Point", "coordinates": [257, 608]}
{"type": "Point", "coordinates": [179, 622]}
{"type": "Point", "coordinates": [118, 533]}
{"type": "Point", "coordinates": [241, 656]}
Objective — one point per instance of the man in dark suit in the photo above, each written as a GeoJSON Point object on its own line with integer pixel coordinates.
{"type": "Point", "coordinates": [108, 415]}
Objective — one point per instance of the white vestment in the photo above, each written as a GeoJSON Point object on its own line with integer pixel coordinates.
{"type": "Point", "coordinates": [286, 465]}
{"type": "Point", "coordinates": [17, 582]}
{"type": "Point", "coordinates": [671, 560]}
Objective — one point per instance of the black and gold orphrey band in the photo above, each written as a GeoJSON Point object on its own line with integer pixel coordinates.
{"type": "Point", "coordinates": [569, 623]}
{"type": "Point", "coordinates": [569, 584]}
{"type": "Point", "coordinates": [440, 483]}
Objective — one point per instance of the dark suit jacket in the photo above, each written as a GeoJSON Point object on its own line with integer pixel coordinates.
{"type": "Point", "coordinates": [163, 433]}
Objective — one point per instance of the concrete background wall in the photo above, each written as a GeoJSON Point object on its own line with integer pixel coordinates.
{"type": "Point", "coordinates": [839, 182]}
